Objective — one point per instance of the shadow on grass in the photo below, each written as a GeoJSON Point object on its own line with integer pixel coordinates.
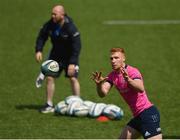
{"type": "Point", "coordinates": [30, 107]}
{"type": "Point", "coordinates": [171, 137]}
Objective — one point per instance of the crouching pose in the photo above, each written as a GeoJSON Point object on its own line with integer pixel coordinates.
{"type": "Point", "coordinates": [129, 82]}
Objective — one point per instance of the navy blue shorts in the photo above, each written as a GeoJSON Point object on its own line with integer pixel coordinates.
{"type": "Point", "coordinates": [147, 122]}
{"type": "Point", "coordinates": [65, 68]}
{"type": "Point", "coordinates": [63, 65]}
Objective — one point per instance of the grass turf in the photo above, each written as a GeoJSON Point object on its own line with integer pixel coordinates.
{"type": "Point", "coordinates": [154, 49]}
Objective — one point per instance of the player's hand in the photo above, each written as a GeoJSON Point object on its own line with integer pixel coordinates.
{"type": "Point", "coordinates": [38, 57]}
{"type": "Point", "coordinates": [71, 70]}
{"type": "Point", "coordinates": [97, 78]}
{"type": "Point", "coordinates": [124, 73]}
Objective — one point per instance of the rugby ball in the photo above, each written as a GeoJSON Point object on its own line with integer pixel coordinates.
{"type": "Point", "coordinates": [72, 106]}
{"type": "Point", "coordinates": [50, 68]}
{"type": "Point", "coordinates": [96, 109]}
{"type": "Point", "coordinates": [113, 112]}
{"type": "Point", "coordinates": [89, 104]}
{"type": "Point", "coordinates": [72, 98]}
{"type": "Point", "coordinates": [61, 108]}
{"type": "Point", "coordinates": [81, 111]}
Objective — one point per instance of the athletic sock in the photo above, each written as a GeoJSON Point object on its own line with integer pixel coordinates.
{"type": "Point", "coordinates": [41, 75]}
{"type": "Point", "coordinates": [50, 103]}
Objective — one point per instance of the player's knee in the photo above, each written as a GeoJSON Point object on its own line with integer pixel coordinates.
{"type": "Point", "coordinates": [73, 79]}
{"type": "Point", "coordinates": [129, 133]}
{"type": "Point", "coordinates": [49, 79]}
{"type": "Point", "coordinates": [159, 137]}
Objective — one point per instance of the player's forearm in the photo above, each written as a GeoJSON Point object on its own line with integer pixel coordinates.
{"type": "Point", "coordinates": [101, 92]}
{"type": "Point", "coordinates": [137, 85]}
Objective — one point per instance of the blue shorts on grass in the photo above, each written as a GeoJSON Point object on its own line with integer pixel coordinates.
{"type": "Point", "coordinates": [147, 122]}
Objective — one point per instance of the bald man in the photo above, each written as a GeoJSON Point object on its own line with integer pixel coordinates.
{"type": "Point", "coordinates": [66, 46]}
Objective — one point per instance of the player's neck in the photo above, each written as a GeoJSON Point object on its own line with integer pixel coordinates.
{"type": "Point", "coordinates": [123, 65]}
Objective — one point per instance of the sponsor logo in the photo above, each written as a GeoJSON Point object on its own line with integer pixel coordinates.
{"type": "Point", "coordinates": [76, 34]}
{"type": "Point", "coordinates": [155, 118]}
{"type": "Point", "coordinates": [54, 67]}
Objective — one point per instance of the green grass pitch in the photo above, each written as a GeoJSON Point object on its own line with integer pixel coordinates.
{"type": "Point", "coordinates": [153, 48]}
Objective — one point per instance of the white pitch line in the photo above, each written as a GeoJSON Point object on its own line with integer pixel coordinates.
{"type": "Point", "coordinates": [141, 22]}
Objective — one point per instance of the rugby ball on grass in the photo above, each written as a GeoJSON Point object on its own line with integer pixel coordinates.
{"type": "Point", "coordinates": [81, 111]}
{"type": "Point", "coordinates": [96, 109]}
{"type": "Point", "coordinates": [89, 104]}
{"type": "Point", "coordinates": [61, 108]}
{"type": "Point", "coordinates": [72, 106]}
{"type": "Point", "coordinates": [113, 112]}
{"type": "Point", "coordinates": [50, 68]}
{"type": "Point", "coordinates": [72, 98]}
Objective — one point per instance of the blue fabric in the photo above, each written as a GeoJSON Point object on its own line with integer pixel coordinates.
{"type": "Point", "coordinates": [147, 123]}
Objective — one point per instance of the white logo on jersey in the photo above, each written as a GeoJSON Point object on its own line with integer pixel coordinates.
{"type": "Point", "coordinates": [76, 34]}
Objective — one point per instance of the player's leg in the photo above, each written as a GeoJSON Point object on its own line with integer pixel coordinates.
{"type": "Point", "coordinates": [75, 86]}
{"type": "Point", "coordinates": [157, 137]}
{"type": "Point", "coordinates": [129, 133]}
{"type": "Point", "coordinates": [50, 88]}
{"type": "Point", "coordinates": [132, 129]}
{"type": "Point", "coordinates": [40, 80]}
{"type": "Point", "coordinates": [41, 76]}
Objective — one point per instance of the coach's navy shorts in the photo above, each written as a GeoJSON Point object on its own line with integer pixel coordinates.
{"type": "Point", "coordinates": [147, 122]}
{"type": "Point", "coordinates": [63, 65]}
{"type": "Point", "coordinates": [65, 68]}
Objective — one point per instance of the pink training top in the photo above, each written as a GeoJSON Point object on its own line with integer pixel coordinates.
{"type": "Point", "coordinates": [137, 101]}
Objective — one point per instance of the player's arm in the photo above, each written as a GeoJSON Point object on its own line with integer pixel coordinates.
{"type": "Point", "coordinates": [40, 41]}
{"type": "Point", "coordinates": [136, 84]}
{"type": "Point", "coordinates": [76, 48]}
{"type": "Point", "coordinates": [76, 44]}
{"type": "Point", "coordinates": [102, 86]}
{"type": "Point", "coordinates": [39, 56]}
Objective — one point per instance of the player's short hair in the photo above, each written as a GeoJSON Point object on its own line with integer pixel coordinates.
{"type": "Point", "coordinates": [117, 50]}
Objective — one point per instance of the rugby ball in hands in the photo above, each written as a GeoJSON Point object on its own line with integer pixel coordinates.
{"type": "Point", "coordinates": [50, 68]}
{"type": "Point", "coordinates": [113, 112]}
